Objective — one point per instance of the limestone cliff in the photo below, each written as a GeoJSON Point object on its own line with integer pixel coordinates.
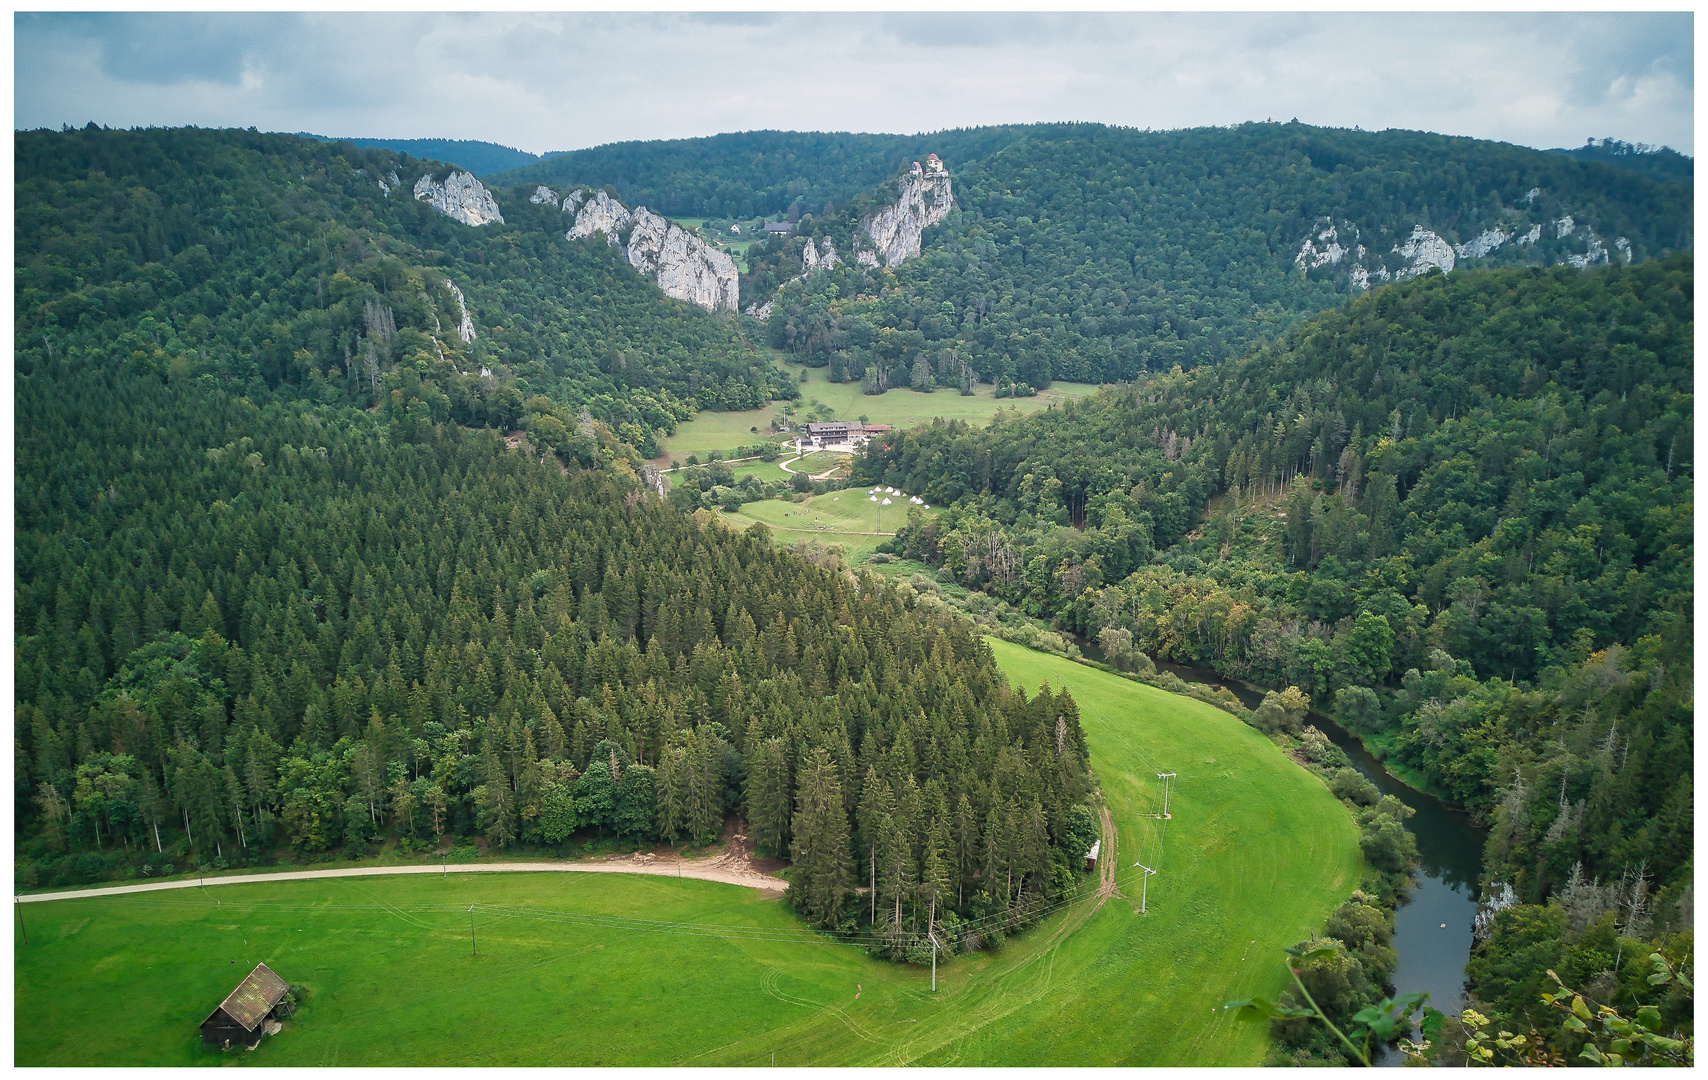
{"type": "Point", "coordinates": [1333, 244]}
{"type": "Point", "coordinates": [602, 214]}
{"type": "Point", "coordinates": [683, 265]}
{"type": "Point", "coordinates": [923, 200]}
{"type": "Point", "coordinates": [462, 197]}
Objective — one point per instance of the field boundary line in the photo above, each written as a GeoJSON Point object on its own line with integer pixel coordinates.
{"type": "Point", "coordinates": [726, 877]}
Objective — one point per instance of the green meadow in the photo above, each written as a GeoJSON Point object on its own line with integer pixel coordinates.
{"type": "Point", "coordinates": [1256, 854]}
{"type": "Point", "coordinates": [723, 431]}
{"type": "Point", "coordinates": [845, 519]}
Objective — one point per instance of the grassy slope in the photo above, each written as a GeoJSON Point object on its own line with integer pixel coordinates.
{"type": "Point", "coordinates": [723, 431]}
{"type": "Point", "coordinates": [857, 525]}
{"type": "Point", "coordinates": [1256, 850]}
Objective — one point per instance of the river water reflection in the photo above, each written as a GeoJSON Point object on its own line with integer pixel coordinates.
{"type": "Point", "coordinates": [1432, 931]}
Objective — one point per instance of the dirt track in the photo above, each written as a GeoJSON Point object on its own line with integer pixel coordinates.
{"type": "Point", "coordinates": [730, 868]}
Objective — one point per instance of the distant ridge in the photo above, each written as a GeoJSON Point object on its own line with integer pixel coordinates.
{"type": "Point", "coordinates": [1655, 162]}
{"type": "Point", "coordinates": [480, 158]}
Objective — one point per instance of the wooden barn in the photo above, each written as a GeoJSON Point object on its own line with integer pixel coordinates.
{"type": "Point", "coordinates": [242, 1017]}
{"type": "Point", "coordinates": [1091, 856]}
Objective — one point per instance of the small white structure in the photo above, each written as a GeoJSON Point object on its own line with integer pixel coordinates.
{"type": "Point", "coordinates": [736, 229]}
{"type": "Point", "coordinates": [886, 502]}
{"type": "Point", "coordinates": [871, 498]}
{"type": "Point", "coordinates": [1091, 856]}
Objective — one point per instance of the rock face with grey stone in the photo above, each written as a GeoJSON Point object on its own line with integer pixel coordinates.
{"type": "Point", "coordinates": [1335, 244]}
{"type": "Point", "coordinates": [683, 265]}
{"type": "Point", "coordinates": [602, 214]}
{"type": "Point", "coordinates": [460, 196]}
{"type": "Point", "coordinates": [922, 201]}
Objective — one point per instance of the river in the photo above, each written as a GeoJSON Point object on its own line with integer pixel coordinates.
{"type": "Point", "coordinates": [1432, 930]}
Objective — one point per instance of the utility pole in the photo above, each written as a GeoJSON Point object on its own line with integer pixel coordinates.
{"type": "Point", "coordinates": [1167, 780]}
{"type": "Point", "coordinates": [933, 939]}
{"type": "Point", "coordinates": [19, 903]}
{"type": "Point", "coordinates": [1144, 886]}
{"type": "Point", "coordinates": [472, 945]}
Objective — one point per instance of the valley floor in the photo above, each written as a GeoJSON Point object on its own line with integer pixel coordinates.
{"type": "Point", "coordinates": [622, 969]}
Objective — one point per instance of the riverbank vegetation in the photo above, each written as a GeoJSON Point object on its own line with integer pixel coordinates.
{"type": "Point", "coordinates": [1458, 510]}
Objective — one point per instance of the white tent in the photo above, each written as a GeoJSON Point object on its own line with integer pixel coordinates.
{"type": "Point", "coordinates": [872, 498]}
{"type": "Point", "coordinates": [916, 500]}
{"type": "Point", "coordinates": [886, 502]}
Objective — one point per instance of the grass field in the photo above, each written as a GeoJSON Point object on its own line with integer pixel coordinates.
{"type": "Point", "coordinates": [1257, 853]}
{"type": "Point", "coordinates": [722, 431]}
{"type": "Point", "coordinates": [842, 518]}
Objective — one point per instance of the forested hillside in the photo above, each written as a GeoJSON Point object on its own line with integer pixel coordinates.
{"type": "Point", "coordinates": [1660, 162]}
{"type": "Point", "coordinates": [244, 623]}
{"type": "Point", "coordinates": [1091, 253]}
{"type": "Point", "coordinates": [281, 263]}
{"type": "Point", "coordinates": [748, 174]}
{"type": "Point", "coordinates": [1457, 511]}
{"type": "Point", "coordinates": [480, 158]}
{"type": "Point", "coordinates": [1097, 254]}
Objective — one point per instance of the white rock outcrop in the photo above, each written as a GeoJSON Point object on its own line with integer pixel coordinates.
{"type": "Point", "coordinates": [1330, 253]}
{"type": "Point", "coordinates": [762, 312]}
{"type": "Point", "coordinates": [1530, 237]}
{"type": "Point", "coordinates": [684, 266]}
{"type": "Point", "coordinates": [811, 260]}
{"type": "Point", "coordinates": [922, 202]}
{"type": "Point", "coordinates": [1423, 251]}
{"type": "Point", "coordinates": [1564, 227]}
{"type": "Point", "coordinates": [1484, 243]}
{"type": "Point", "coordinates": [545, 195]}
{"type": "Point", "coordinates": [465, 328]}
{"type": "Point", "coordinates": [1623, 246]}
{"type": "Point", "coordinates": [462, 197]}
{"type": "Point", "coordinates": [602, 214]}
{"type": "Point", "coordinates": [865, 257]}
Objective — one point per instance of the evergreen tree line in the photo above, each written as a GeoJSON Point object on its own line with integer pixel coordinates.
{"type": "Point", "coordinates": [244, 625]}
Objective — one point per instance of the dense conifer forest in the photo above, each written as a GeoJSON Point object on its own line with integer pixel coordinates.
{"type": "Point", "coordinates": [244, 624]}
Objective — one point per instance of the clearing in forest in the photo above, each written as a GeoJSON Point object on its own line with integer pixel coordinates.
{"type": "Point", "coordinates": [847, 519]}
{"type": "Point", "coordinates": [607, 969]}
{"type": "Point", "coordinates": [899, 408]}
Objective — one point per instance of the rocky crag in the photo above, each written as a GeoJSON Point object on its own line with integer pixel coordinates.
{"type": "Point", "coordinates": [683, 265]}
{"type": "Point", "coordinates": [459, 196]}
{"type": "Point", "coordinates": [1336, 244]}
{"type": "Point", "coordinates": [888, 237]}
{"type": "Point", "coordinates": [923, 199]}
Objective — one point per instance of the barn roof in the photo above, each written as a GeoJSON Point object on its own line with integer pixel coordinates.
{"type": "Point", "coordinates": [1095, 848]}
{"type": "Point", "coordinates": [254, 997]}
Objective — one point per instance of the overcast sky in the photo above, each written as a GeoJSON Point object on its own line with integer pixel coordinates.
{"type": "Point", "coordinates": [564, 81]}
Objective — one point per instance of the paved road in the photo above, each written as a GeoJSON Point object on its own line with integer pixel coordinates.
{"type": "Point", "coordinates": [667, 869]}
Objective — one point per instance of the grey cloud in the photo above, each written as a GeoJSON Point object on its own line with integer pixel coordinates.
{"type": "Point", "coordinates": [548, 81]}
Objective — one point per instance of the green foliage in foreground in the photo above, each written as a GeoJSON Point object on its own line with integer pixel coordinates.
{"type": "Point", "coordinates": [282, 625]}
{"type": "Point", "coordinates": [1257, 853]}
